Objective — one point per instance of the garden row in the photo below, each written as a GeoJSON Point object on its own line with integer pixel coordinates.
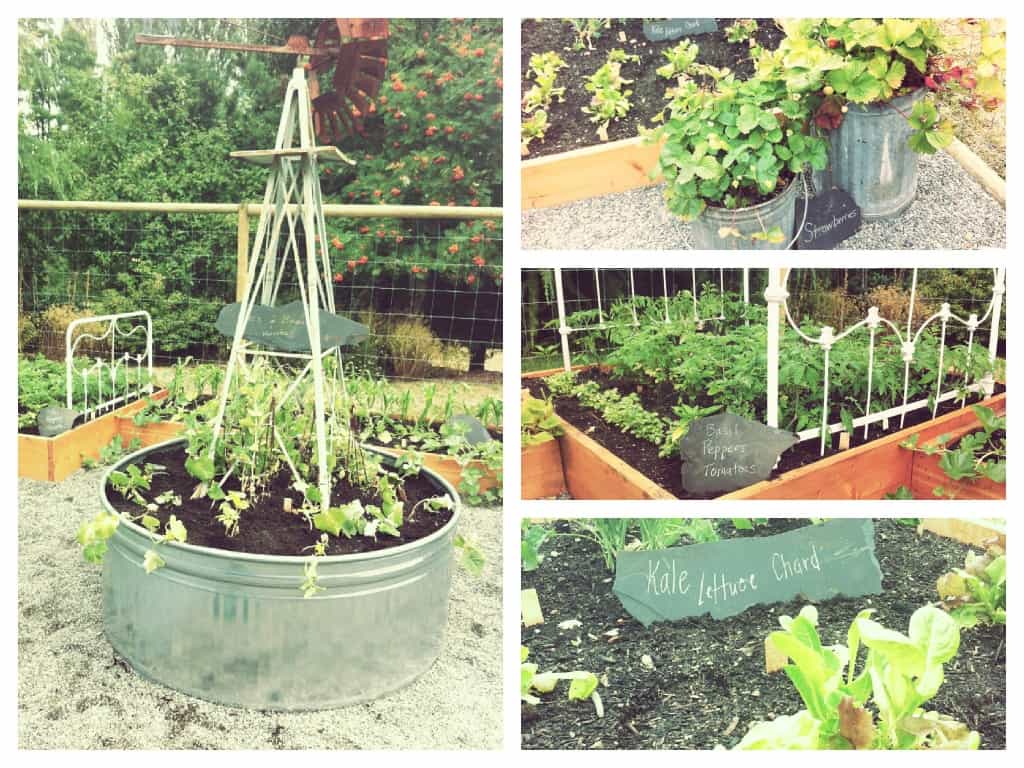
{"type": "Point", "coordinates": [934, 622]}
{"type": "Point", "coordinates": [435, 425]}
{"type": "Point", "coordinates": [849, 99]}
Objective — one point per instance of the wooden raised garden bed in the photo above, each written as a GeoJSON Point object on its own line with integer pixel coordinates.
{"type": "Point", "coordinates": [871, 470]}
{"type": "Point", "coordinates": [449, 467]}
{"type": "Point", "coordinates": [54, 458]}
{"type": "Point", "coordinates": [588, 172]}
{"type": "Point", "coordinates": [868, 471]}
{"type": "Point", "coordinates": [542, 475]}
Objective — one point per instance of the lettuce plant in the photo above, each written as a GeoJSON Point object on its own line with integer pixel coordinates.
{"type": "Point", "coordinates": [582, 685]}
{"type": "Point", "coordinates": [610, 101]}
{"type": "Point", "coordinates": [976, 593]}
{"type": "Point", "coordinates": [878, 705]}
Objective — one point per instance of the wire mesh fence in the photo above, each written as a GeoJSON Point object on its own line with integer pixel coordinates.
{"type": "Point", "coordinates": [428, 288]}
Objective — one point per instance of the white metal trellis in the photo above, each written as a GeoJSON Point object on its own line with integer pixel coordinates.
{"type": "Point", "coordinates": [564, 329]}
{"type": "Point", "coordinates": [94, 400]}
{"type": "Point", "coordinates": [292, 202]}
{"type": "Point", "coordinates": [777, 297]}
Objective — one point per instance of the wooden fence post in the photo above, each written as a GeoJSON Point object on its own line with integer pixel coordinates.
{"type": "Point", "coordinates": [242, 269]}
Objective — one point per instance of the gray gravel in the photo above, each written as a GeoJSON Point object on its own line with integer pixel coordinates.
{"type": "Point", "coordinates": [951, 212]}
{"type": "Point", "coordinates": [72, 696]}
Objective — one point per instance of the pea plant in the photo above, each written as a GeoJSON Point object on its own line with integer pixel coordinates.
{"type": "Point", "coordinates": [610, 100]}
{"type": "Point", "coordinates": [879, 704]}
{"type": "Point", "coordinates": [269, 434]}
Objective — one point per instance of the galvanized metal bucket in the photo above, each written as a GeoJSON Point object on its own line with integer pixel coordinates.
{"type": "Point", "coordinates": [234, 628]}
{"type": "Point", "coordinates": [779, 212]}
{"type": "Point", "coordinates": [871, 158]}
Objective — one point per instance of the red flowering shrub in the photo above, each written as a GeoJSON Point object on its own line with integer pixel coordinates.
{"type": "Point", "coordinates": [431, 137]}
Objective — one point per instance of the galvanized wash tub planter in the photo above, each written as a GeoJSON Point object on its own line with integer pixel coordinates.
{"type": "Point", "coordinates": [871, 156]}
{"type": "Point", "coordinates": [779, 212]}
{"type": "Point", "coordinates": [234, 628]}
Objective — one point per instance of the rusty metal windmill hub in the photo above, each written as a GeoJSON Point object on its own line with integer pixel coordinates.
{"type": "Point", "coordinates": [359, 69]}
{"type": "Point", "coordinates": [356, 50]}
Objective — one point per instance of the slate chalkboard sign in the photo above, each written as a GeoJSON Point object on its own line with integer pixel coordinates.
{"type": "Point", "coordinates": [476, 432]}
{"type": "Point", "coordinates": [656, 30]}
{"type": "Point", "coordinates": [832, 217]}
{"type": "Point", "coordinates": [725, 578]}
{"type": "Point", "coordinates": [725, 452]}
{"type": "Point", "coordinates": [284, 328]}
{"type": "Point", "coordinates": [53, 420]}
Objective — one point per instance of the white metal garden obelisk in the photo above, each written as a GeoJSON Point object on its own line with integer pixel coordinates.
{"type": "Point", "coordinates": [292, 204]}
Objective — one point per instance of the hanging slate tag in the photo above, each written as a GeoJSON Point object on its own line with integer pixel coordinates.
{"type": "Point", "coordinates": [725, 578]}
{"type": "Point", "coordinates": [656, 30]}
{"type": "Point", "coordinates": [725, 452]}
{"type": "Point", "coordinates": [476, 433]}
{"type": "Point", "coordinates": [53, 420]}
{"type": "Point", "coordinates": [832, 217]}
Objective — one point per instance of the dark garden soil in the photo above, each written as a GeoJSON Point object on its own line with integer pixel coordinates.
{"type": "Point", "coordinates": [708, 684]}
{"type": "Point", "coordinates": [570, 128]}
{"type": "Point", "coordinates": [265, 528]}
{"type": "Point", "coordinates": [667, 472]}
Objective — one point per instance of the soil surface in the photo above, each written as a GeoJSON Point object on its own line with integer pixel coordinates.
{"type": "Point", "coordinates": [667, 472]}
{"type": "Point", "coordinates": [708, 684]}
{"type": "Point", "coordinates": [265, 528]}
{"type": "Point", "coordinates": [570, 127]}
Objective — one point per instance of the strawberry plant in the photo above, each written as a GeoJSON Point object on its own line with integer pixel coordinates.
{"type": "Point", "coordinates": [876, 705]}
{"type": "Point", "coordinates": [609, 101]}
{"type": "Point", "coordinates": [733, 145]}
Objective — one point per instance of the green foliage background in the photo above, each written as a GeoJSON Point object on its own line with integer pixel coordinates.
{"type": "Point", "coordinates": [157, 124]}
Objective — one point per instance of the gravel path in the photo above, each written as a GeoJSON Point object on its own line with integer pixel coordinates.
{"type": "Point", "coordinates": [951, 212]}
{"type": "Point", "coordinates": [72, 696]}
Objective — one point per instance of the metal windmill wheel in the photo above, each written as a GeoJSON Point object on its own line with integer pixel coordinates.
{"type": "Point", "coordinates": [355, 49]}
{"type": "Point", "coordinates": [359, 66]}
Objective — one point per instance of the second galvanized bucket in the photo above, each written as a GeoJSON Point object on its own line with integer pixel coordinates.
{"type": "Point", "coordinates": [871, 158]}
{"type": "Point", "coordinates": [234, 628]}
{"type": "Point", "coordinates": [779, 212]}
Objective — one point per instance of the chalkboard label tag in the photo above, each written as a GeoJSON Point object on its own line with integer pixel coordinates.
{"type": "Point", "coordinates": [832, 217]}
{"type": "Point", "coordinates": [53, 420]}
{"type": "Point", "coordinates": [657, 30]}
{"type": "Point", "coordinates": [476, 433]}
{"type": "Point", "coordinates": [724, 578]}
{"type": "Point", "coordinates": [725, 452]}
